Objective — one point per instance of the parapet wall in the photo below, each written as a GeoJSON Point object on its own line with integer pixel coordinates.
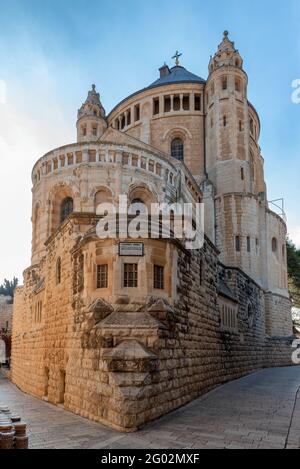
{"type": "Point", "coordinates": [278, 315]}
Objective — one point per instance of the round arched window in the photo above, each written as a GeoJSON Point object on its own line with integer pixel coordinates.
{"type": "Point", "coordinates": [177, 149]}
{"type": "Point", "coordinates": [66, 208]}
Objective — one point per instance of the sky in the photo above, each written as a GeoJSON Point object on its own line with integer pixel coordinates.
{"type": "Point", "coordinates": [51, 51]}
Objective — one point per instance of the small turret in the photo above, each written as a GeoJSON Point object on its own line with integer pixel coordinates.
{"type": "Point", "coordinates": [91, 120]}
{"type": "Point", "coordinates": [226, 55]}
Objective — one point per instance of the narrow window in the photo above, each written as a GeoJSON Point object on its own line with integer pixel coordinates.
{"type": "Point", "coordinates": [84, 131]}
{"type": "Point", "coordinates": [123, 121]}
{"type": "Point", "coordinates": [167, 104]}
{"type": "Point", "coordinates": [237, 85]}
{"type": "Point", "coordinates": [129, 117]}
{"type": "Point", "coordinates": [238, 244]}
{"type": "Point", "coordinates": [130, 275]}
{"type": "Point", "coordinates": [176, 103]}
{"type": "Point", "coordinates": [158, 277]}
{"type": "Point", "coordinates": [224, 83]}
{"type": "Point", "coordinates": [102, 277]}
{"type": "Point", "coordinates": [136, 113]}
{"type": "Point", "coordinates": [274, 245]}
{"type": "Point", "coordinates": [177, 149]}
{"type": "Point", "coordinates": [186, 103]}
{"type": "Point", "coordinates": [240, 126]}
{"type": "Point", "coordinates": [58, 271]}
{"type": "Point", "coordinates": [242, 174]}
{"type": "Point", "coordinates": [197, 102]}
{"type": "Point", "coordinates": [155, 106]}
{"type": "Point", "coordinates": [201, 272]}
{"type": "Point", "coordinates": [248, 244]}
{"type": "Point", "coordinates": [94, 131]}
{"type": "Point", "coordinates": [224, 121]}
{"type": "Point", "coordinates": [66, 208]}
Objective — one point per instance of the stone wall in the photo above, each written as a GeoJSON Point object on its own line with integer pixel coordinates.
{"type": "Point", "coordinates": [278, 315]}
{"type": "Point", "coordinates": [126, 360]}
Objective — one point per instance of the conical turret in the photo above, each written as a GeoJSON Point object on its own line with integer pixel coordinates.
{"type": "Point", "coordinates": [91, 121]}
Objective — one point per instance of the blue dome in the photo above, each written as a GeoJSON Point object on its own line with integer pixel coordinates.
{"type": "Point", "coordinates": [177, 74]}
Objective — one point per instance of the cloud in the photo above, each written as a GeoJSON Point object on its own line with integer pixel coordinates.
{"type": "Point", "coordinates": [30, 125]}
{"type": "Point", "coordinates": [2, 92]}
{"type": "Point", "coordinates": [294, 235]}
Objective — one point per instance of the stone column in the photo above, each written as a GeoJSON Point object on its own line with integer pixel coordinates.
{"type": "Point", "coordinates": [85, 155]}
{"type": "Point", "coordinates": [181, 102]}
{"type": "Point", "coordinates": [192, 101]}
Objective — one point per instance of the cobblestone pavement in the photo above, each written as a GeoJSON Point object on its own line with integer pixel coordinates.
{"type": "Point", "coordinates": [259, 411]}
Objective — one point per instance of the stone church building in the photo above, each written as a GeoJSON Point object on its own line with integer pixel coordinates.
{"type": "Point", "coordinates": [121, 332]}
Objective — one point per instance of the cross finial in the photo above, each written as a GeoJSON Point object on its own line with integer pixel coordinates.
{"type": "Point", "coordinates": [226, 34]}
{"type": "Point", "coordinates": [176, 57]}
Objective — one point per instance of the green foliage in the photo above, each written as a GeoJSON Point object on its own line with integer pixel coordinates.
{"type": "Point", "coordinates": [293, 259]}
{"type": "Point", "coordinates": [8, 287]}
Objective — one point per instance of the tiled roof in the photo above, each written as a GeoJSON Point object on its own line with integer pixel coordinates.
{"type": "Point", "coordinates": [177, 74]}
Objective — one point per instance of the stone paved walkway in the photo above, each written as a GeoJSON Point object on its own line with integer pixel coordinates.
{"type": "Point", "coordinates": [259, 411]}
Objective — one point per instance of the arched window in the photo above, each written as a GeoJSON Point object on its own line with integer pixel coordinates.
{"type": "Point", "coordinates": [142, 195]}
{"type": "Point", "coordinates": [66, 208]}
{"type": "Point", "coordinates": [102, 196]}
{"type": "Point", "coordinates": [58, 271]}
{"type": "Point", "coordinates": [142, 206]}
{"type": "Point", "coordinates": [238, 244]}
{"type": "Point", "coordinates": [237, 84]}
{"type": "Point", "coordinates": [274, 245]}
{"type": "Point", "coordinates": [177, 149]}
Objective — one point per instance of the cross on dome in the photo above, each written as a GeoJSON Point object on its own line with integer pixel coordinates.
{"type": "Point", "coordinates": [176, 57]}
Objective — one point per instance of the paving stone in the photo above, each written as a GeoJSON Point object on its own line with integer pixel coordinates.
{"type": "Point", "coordinates": [234, 416]}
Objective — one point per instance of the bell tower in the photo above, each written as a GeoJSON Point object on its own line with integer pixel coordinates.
{"type": "Point", "coordinates": [91, 120]}
{"type": "Point", "coordinates": [233, 162]}
{"type": "Point", "coordinates": [227, 124]}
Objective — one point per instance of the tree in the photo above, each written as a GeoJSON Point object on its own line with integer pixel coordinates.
{"type": "Point", "coordinates": [293, 259]}
{"type": "Point", "coordinates": [8, 287]}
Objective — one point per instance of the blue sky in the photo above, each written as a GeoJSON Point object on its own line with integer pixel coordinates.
{"type": "Point", "coordinates": [52, 51]}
